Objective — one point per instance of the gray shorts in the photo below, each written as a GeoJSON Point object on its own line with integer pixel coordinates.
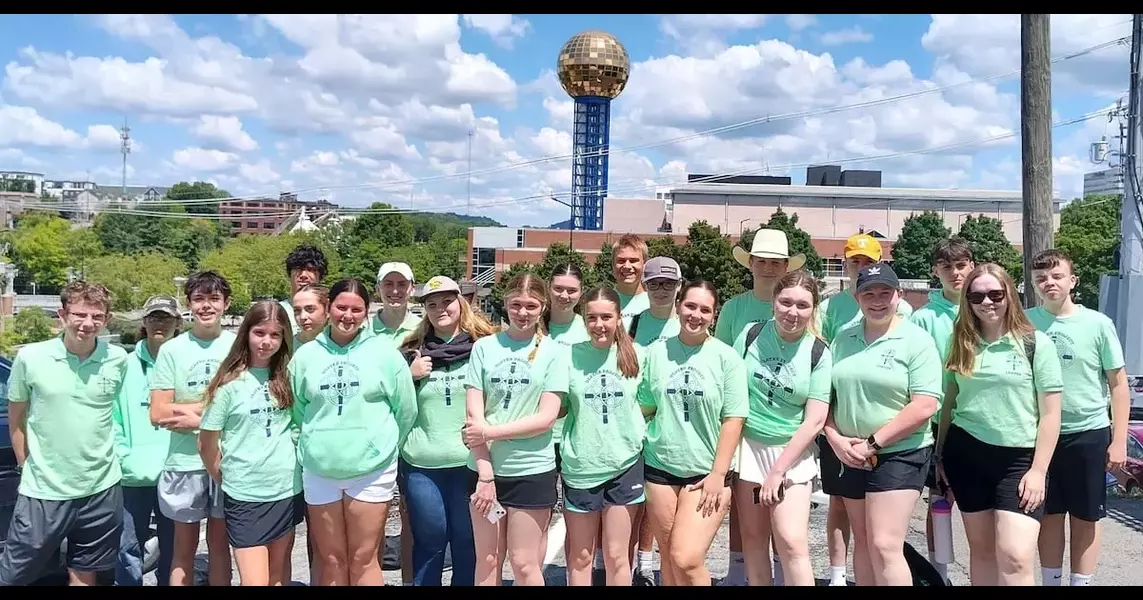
{"type": "Point", "coordinates": [189, 497]}
{"type": "Point", "coordinates": [90, 525]}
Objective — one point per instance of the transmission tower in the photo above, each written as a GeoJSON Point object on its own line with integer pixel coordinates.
{"type": "Point", "coordinates": [124, 149]}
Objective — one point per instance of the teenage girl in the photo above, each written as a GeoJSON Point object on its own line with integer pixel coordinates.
{"type": "Point", "coordinates": [602, 463]}
{"type": "Point", "coordinates": [516, 382]}
{"type": "Point", "coordinates": [887, 378]}
{"type": "Point", "coordinates": [311, 312]}
{"type": "Point", "coordinates": [694, 387]}
{"type": "Point", "coordinates": [432, 470]}
{"type": "Point", "coordinates": [247, 444]}
{"type": "Point", "coordinates": [355, 402]}
{"type": "Point", "coordinates": [1002, 420]}
{"type": "Point", "coordinates": [788, 370]}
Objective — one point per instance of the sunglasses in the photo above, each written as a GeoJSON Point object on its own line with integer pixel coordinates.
{"type": "Point", "coordinates": [996, 296]}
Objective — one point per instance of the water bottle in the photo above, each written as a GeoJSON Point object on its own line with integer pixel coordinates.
{"type": "Point", "coordinates": [942, 530]}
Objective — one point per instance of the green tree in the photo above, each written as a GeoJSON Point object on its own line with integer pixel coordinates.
{"type": "Point", "coordinates": [913, 250]}
{"type": "Point", "coordinates": [708, 256]}
{"type": "Point", "coordinates": [199, 190]}
{"type": "Point", "coordinates": [133, 279]}
{"type": "Point", "coordinates": [255, 266]}
{"type": "Point", "coordinates": [82, 246]}
{"type": "Point", "coordinates": [798, 239]}
{"type": "Point", "coordinates": [387, 229]}
{"type": "Point", "coordinates": [32, 325]}
{"type": "Point", "coordinates": [601, 268]}
{"type": "Point", "coordinates": [1089, 234]}
{"type": "Point", "coordinates": [665, 246]}
{"type": "Point", "coordinates": [497, 293]}
{"type": "Point", "coordinates": [40, 249]}
{"type": "Point", "coordinates": [560, 254]}
{"type": "Point", "coordinates": [179, 235]}
{"type": "Point", "coordinates": [989, 244]}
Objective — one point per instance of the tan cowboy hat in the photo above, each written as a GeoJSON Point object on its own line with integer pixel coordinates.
{"type": "Point", "coordinates": [770, 243]}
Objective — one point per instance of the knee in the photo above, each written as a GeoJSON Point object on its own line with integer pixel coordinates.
{"type": "Point", "coordinates": [617, 553]}
{"type": "Point", "coordinates": [1014, 558]}
{"type": "Point", "coordinates": [883, 547]}
{"type": "Point", "coordinates": [524, 564]}
{"type": "Point", "coordinates": [580, 559]}
{"type": "Point", "coordinates": [792, 546]}
{"type": "Point", "coordinates": [686, 558]}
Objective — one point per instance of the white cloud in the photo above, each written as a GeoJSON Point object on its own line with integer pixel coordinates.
{"type": "Point", "coordinates": [224, 133]}
{"type": "Point", "coordinates": [201, 159]}
{"type": "Point", "coordinates": [504, 29]}
{"type": "Point", "coordinates": [849, 35]}
{"type": "Point", "coordinates": [25, 127]}
{"type": "Point", "coordinates": [800, 22]}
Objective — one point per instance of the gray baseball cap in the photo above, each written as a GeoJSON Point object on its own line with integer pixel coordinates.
{"type": "Point", "coordinates": [162, 304]}
{"type": "Point", "coordinates": [662, 267]}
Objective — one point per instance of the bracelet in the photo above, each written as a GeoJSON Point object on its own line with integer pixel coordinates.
{"type": "Point", "coordinates": [482, 480]}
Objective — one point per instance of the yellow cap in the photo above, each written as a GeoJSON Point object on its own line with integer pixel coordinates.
{"type": "Point", "coordinates": [865, 245]}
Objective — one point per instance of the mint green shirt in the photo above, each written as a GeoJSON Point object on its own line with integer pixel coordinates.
{"type": "Point", "coordinates": [693, 390]}
{"type": "Point", "coordinates": [511, 385]}
{"type": "Point", "coordinates": [141, 446]}
{"type": "Point", "coordinates": [629, 306]}
{"type": "Point", "coordinates": [259, 459]}
{"type": "Point", "coordinates": [434, 442]}
{"type": "Point", "coordinates": [1089, 347]}
{"type": "Point", "coordinates": [999, 404]}
{"type": "Point", "coordinates": [841, 310]}
{"type": "Point", "coordinates": [875, 382]}
{"type": "Point", "coordinates": [70, 433]}
{"type": "Point", "coordinates": [355, 404]}
{"type": "Point", "coordinates": [604, 432]}
{"type": "Point", "coordinates": [738, 313]}
{"type": "Point", "coordinates": [568, 335]}
{"type": "Point", "coordinates": [394, 336]}
{"type": "Point", "coordinates": [651, 329]}
{"type": "Point", "coordinates": [288, 306]}
{"type": "Point", "coordinates": [186, 365]}
{"type": "Point", "coordinates": [780, 383]}
{"type": "Point", "coordinates": [938, 318]}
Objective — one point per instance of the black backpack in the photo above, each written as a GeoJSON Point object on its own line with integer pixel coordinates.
{"type": "Point", "coordinates": [815, 352]}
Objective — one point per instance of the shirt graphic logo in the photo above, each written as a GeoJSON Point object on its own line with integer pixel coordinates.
{"type": "Point", "coordinates": [779, 376]}
{"type": "Point", "coordinates": [1017, 364]}
{"type": "Point", "coordinates": [268, 408]}
{"type": "Point", "coordinates": [887, 358]}
{"type": "Point", "coordinates": [509, 378]}
{"type": "Point", "coordinates": [107, 385]}
{"type": "Point", "coordinates": [340, 382]}
{"type": "Point", "coordinates": [442, 382]}
{"type": "Point", "coordinates": [1065, 347]}
{"type": "Point", "coordinates": [200, 373]}
{"type": "Point", "coordinates": [685, 387]}
{"type": "Point", "coordinates": [600, 395]}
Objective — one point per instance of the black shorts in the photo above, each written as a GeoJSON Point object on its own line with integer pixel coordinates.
{"type": "Point", "coordinates": [1077, 476]}
{"type": "Point", "coordinates": [661, 477]}
{"type": "Point", "coordinates": [622, 490]}
{"type": "Point", "coordinates": [830, 471]}
{"type": "Point", "coordinates": [527, 492]}
{"type": "Point", "coordinates": [91, 525]}
{"type": "Point", "coordinates": [253, 524]}
{"type": "Point", "coordinates": [985, 477]}
{"type": "Point", "coordinates": [931, 477]}
{"type": "Point", "coordinates": [902, 470]}
{"type": "Point", "coordinates": [559, 459]}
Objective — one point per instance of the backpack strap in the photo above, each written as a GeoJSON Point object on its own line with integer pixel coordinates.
{"type": "Point", "coordinates": [634, 325]}
{"type": "Point", "coordinates": [816, 353]}
{"type": "Point", "coordinates": [751, 335]}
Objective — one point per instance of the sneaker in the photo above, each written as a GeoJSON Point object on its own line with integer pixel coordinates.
{"type": "Point", "coordinates": [641, 580]}
{"type": "Point", "coordinates": [728, 583]}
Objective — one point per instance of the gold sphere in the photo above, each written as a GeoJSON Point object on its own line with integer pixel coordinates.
{"type": "Point", "coordinates": [593, 63]}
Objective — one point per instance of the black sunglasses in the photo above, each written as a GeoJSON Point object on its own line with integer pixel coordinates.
{"type": "Point", "coordinates": [996, 296]}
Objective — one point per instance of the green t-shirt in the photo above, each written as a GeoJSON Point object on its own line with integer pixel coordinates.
{"type": "Point", "coordinates": [693, 390]}
{"type": "Point", "coordinates": [629, 306]}
{"type": "Point", "coordinates": [512, 385]}
{"type": "Point", "coordinates": [999, 403]}
{"type": "Point", "coordinates": [937, 318]}
{"type": "Point", "coordinates": [568, 335]}
{"type": "Point", "coordinates": [1088, 347]}
{"type": "Point", "coordinates": [841, 310]}
{"type": "Point", "coordinates": [738, 313]}
{"type": "Point", "coordinates": [70, 437]}
{"type": "Point", "coordinates": [186, 365]}
{"type": "Point", "coordinates": [434, 442]}
{"type": "Point", "coordinates": [603, 436]}
{"type": "Point", "coordinates": [288, 306]}
{"type": "Point", "coordinates": [141, 446]}
{"type": "Point", "coordinates": [259, 458]}
{"type": "Point", "coordinates": [393, 336]}
{"type": "Point", "coordinates": [650, 329]}
{"type": "Point", "coordinates": [780, 382]}
{"type": "Point", "coordinates": [355, 403]}
{"type": "Point", "coordinates": [874, 382]}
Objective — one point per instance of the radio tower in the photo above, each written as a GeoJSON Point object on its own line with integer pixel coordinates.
{"type": "Point", "coordinates": [124, 149]}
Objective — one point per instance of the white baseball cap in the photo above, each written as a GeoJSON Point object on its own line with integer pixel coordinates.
{"type": "Point", "coordinates": [394, 267]}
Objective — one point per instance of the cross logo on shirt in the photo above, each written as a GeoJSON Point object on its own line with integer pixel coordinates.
{"type": "Point", "coordinates": [199, 383]}
{"type": "Point", "coordinates": [599, 395]}
{"type": "Point", "coordinates": [684, 388]}
{"type": "Point", "coordinates": [338, 386]}
{"type": "Point", "coordinates": [107, 385]}
{"type": "Point", "coordinates": [445, 382]}
{"type": "Point", "coordinates": [511, 382]}
{"type": "Point", "coordinates": [267, 410]}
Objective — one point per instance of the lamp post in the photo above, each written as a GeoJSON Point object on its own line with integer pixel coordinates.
{"type": "Point", "coordinates": [571, 222]}
{"type": "Point", "coordinates": [179, 281]}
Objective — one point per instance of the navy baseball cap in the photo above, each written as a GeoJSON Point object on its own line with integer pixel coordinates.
{"type": "Point", "coordinates": [877, 274]}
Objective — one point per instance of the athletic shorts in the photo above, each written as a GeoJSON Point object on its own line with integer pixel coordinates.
{"type": "Point", "coordinates": [375, 488]}
{"type": "Point", "coordinates": [986, 477]}
{"type": "Point", "coordinates": [661, 477]}
{"type": "Point", "coordinates": [1077, 476]}
{"type": "Point", "coordinates": [189, 496]}
{"type": "Point", "coordinates": [526, 492]}
{"type": "Point", "coordinates": [931, 478]}
{"type": "Point", "coordinates": [559, 460]}
{"type": "Point", "coordinates": [829, 467]}
{"type": "Point", "coordinates": [253, 524]}
{"type": "Point", "coordinates": [755, 460]}
{"type": "Point", "coordinates": [622, 490]}
{"type": "Point", "coordinates": [91, 525]}
{"type": "Point", "coordinates": [903, 470]}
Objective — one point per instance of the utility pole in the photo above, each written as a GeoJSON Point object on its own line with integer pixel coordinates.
{"type": "Point", "coordinates": [125, 149]}
{"type": "Point", "coordinates": [1130, 299]}
{"type": "Point", "coordinates": [1036, 140]}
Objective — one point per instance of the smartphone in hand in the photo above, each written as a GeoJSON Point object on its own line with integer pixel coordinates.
{"type": "Point", "coordinates": [496, 513]}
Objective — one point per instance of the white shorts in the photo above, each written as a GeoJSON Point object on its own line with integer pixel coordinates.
{"type": "Point", "coordinates": [376, 488]}
{"type": "Point", "coordinates": [755, 461]}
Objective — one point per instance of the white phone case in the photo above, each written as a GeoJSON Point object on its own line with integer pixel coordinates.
{"type": "Point", "coordinates": [496, 513]}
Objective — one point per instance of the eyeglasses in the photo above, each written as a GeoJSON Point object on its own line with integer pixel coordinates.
{"type": "Point", "coordinates": [996, 296]}
{"type": "Point", "coordinates": [660, 284]}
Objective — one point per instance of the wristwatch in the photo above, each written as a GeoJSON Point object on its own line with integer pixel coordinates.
{"type": "Point", "coordinates": [872, 441]}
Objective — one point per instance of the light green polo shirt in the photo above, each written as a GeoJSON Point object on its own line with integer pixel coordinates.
{"type": "Point", "coordinates": [70, 433]}
{"type": "Point", "coordinates": [999, 404]}
{"type": "Point", "coordinates": [394, 336]}
{"type": "Point", "coordinates": [874, 382]}
{"type": "Point", "coordinates": [841, 310]}
{"type": "Point", "coordinates": [738, 313]}
{"type": "Point", "coordinates": [938, 317]}
{"type": "Point", "coordinates": [1088, 346]}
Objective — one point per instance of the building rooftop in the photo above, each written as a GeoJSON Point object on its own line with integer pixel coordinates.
{"type": "Point", "coordinates": [829, 191]}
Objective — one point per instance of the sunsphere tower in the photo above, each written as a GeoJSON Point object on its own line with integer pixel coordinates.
{"type": "Point", "coordinates": [593, 68]}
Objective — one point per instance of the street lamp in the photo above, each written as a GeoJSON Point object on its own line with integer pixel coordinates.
{"type": "Point", "coordinates": [571, 222]}
{"type": "Point", "coordinates": [179, 282]}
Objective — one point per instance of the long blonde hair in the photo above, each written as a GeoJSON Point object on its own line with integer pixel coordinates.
{"type": "Point", "coordinates": [531, 285]}
{"type": "Point", "coordinates": [805, 280]}
{"type": "Point", "coordinates": [471, 323]}
{"type": "Point", "coordinates": [966, 330]}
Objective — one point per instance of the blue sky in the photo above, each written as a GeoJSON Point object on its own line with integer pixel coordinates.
{"type": "Point", "coordinates": [364, 108]}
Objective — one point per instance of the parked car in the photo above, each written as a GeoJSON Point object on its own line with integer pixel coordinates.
{"type": "Point", "coordinates": [1136, 384]}
{"type": "Point", "coordinates": [1130, 477]}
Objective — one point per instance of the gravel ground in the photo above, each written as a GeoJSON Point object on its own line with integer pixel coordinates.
{"type": "Point", "coordinates": [1119, 564]}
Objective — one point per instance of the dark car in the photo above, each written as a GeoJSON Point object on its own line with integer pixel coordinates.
{"type": "Point", "coordinates": [1130, 477]}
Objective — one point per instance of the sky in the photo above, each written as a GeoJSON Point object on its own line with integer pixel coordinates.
{"type": "Point", "coordinates": [366, 108]}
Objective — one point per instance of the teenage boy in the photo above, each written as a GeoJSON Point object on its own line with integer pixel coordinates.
{"type": "Point", "coordinates": [628, 257]}
{"type": "Point", "coordinates": [1090, 443]}
{"type": "Point", "coordinates": [183, 369]}
{"type": "Point", "coordinates": [304, 265]}
{"type": "Point", "coordinates": [60, 394]}
{"type": "Point", "coordinates": [952, 262]}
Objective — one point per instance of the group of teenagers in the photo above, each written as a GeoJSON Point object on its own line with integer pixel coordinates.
{"type": "Point", "coordinates": [647, 409]}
